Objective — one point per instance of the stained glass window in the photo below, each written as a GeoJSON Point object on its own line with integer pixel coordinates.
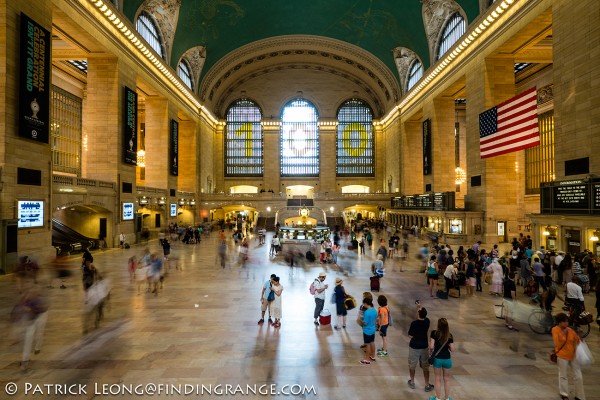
{"type": "Point", "coordinates": [299, 139]}
{"type": "Point", "coordinates": [244, 140]}
{"type": "Point", "coordinates": [355, 145]}
{"type": "Point", "coordinates": [455, 28]}
{"type": "Point", "coordinates": [147, 28]}
{"type": "Point", "coordinates": [65, 129]}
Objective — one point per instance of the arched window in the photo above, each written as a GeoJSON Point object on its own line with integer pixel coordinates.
{"type": "Point", "coordinates": [415, 73]}
{"type": "Point", "coordinates": [148, 29]}
{"type": "Point", "coordinates": [244, 140]}
{"type": "Point", "coordinates": [299, 139]}
{"type": "Point", "coordinates": [185, 73]}
{"type": "Point", "coordinates": [455, 28]}
{"type": "Point", "coordinates": [355, 145]}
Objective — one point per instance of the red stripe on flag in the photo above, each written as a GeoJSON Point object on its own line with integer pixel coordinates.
{"type": "Point", "coordinates": [499, 153]}
{"type": "Point", "coordinates": [509, 142]}
{"type": "Point", "coordinates": [499, 136]}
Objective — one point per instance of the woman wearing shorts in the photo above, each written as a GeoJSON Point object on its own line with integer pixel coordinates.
{"type": "Point", "coordinates": [432, 276]}
{"type": "Point", "coordinates": [441, 345]}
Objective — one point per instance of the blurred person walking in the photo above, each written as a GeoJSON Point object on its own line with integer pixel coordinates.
{"type": "Point", "coordinates": [32, 312]}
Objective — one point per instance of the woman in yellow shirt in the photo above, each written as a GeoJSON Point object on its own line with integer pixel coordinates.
{"type": "Point", "coordinates": [565, 344]}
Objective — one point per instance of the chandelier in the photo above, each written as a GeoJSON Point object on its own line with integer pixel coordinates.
{"type": "Point", "coordinates": [460, 176]}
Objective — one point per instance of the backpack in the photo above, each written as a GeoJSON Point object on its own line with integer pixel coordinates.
{"type": "Point", "coordinates": [312, 289]}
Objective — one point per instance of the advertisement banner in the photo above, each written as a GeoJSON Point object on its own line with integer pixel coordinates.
{"type": "Point", "coordinates": [130, 127]}
{"type": "Point", "coordinates": [174, 147]}
{"type": "Point", "coordinates": [427, 147]}
{"type": "Point", "coordinates": [34, 90]}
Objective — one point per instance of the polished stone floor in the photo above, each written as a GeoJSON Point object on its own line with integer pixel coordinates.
{"type": "Point", "coordinates": [202, 329]}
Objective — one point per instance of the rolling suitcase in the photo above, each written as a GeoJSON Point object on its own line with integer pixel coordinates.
{"type": "Point", "coordinates": [375, 284]}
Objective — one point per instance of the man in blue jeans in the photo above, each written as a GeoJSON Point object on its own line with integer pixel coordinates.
{"type": "Point", "coordinates": [368, 324]}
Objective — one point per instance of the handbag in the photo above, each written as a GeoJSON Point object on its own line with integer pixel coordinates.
{"type": "Point", "coordinates": [349, 302]}
{"type": "Point", "coordinates": [271, 296]}
{"type": "Point", "coordinates": [433, 356]}
{"type": "Point", "coordinates": [553, 356]}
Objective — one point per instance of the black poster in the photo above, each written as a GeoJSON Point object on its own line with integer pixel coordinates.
{"type": "Point", "coordinates": [174, 147]}
{"type": "Point", "coordinates": [427, 147]}
{"type": "Point", "coordinates": [130, 127]}
{"type": "Point", "coordinates": [34, 98]}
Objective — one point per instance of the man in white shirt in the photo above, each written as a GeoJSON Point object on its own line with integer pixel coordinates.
{"type": "Point", "coordinates": [274, 245]}
{"type": "Point", "coordinates": [121, 240]}
{"type": "Point", "coordinates": [557, 260]}
{"type": "Point", "coordinates": [575, 295]}
{"type": "Point", "coordinates": [320, 287]}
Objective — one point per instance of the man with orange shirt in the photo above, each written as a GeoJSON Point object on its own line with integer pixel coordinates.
{"type": "Point", "coordinates": [565, 344]}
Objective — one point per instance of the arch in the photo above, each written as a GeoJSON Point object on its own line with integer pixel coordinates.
{"type": "Point", "coordinates": [435, 15]}
{"type": "Point", "coordinates": [320, 56]}
{"type": "Point", "coordinates": [147, 26]}
{"type": "Point", "coordinates": [165, 14]}
{"type": "Point", "coordinates": [196, 56]}
{"type": "Point", "coordinates": [355, 149]}
{"type": "Point", "coordinates": [299, 139]}
{"type": "Point", "coordinates": [356, 189]}
{"type": "Point", "coordinates": [243, 189]}
{"type": "Point", "coordinates": [243, 139]}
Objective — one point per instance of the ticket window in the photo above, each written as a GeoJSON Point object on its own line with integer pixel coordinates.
{"type": "Point", "coordinates": [456, 226]}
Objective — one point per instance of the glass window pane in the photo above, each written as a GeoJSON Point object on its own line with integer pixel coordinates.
{"type": "Point", "coordinates": [454, 29]}
{"type": "Point", "coordinates": [355, 150]}
{"type": "Point", "coordinates": [244, 140]}
{"type": "Point", "coordinates": [149, 31]}
{"type": "Point", "coordinates": [539, 160]}
{"type": "Point", "coordinates": [184, 72]}
{"type": "Point", "coordinates": [415, 73]}
{"type": "Point", "coordinates": [65, 129]}
{"type": "Point", "coordinates": [299, 139]}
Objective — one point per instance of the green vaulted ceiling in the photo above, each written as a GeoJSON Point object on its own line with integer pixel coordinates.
{"type": "Point", "coordinates": [377, 26]}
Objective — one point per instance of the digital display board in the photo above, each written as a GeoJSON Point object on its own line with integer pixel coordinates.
{"type": "Point", "coordinates": [127, 211]}
{"type": "Point", "coordinates": [577, 196]}
{"type": "Point", "coordinates": [173, 210]}
{"type": "Point", "coordinates": [432, 201]}
{"type": "Point", "coordinates": [30, 214]}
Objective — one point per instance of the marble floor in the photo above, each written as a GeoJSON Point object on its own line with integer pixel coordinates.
{"type": "Point", "coordinates": [202, 329]}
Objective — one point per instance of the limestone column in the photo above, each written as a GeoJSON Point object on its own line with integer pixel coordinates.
{"type": "Point", "coordinates": [502, 190]}
{"type": "Point", "coordinates": [411, 168]}
{"type": "Point", "coordinates": [187, 179]}
{"type": "Point", "coordinates": [327, 157]}
{"type": "Point", "coordinates": [271, 157]}
{"type": "Point", "coordinates": [157, 142]}
{"type": "Point", "coordinates": [393, 157]}
{"type": "Point", "coordinates": [442, 114]}
{"type": "Point", "coordinates": [576, 76]}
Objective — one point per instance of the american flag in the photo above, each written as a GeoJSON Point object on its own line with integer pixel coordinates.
{"type": "Point", "coordinates": [510, 126]}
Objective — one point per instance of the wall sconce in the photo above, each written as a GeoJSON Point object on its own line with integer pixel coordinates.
{"type": "Point", "coordinates": [192, 202]}
{"type": "Point", "coordinates": [162, 201]}
{"type": "Point", "coordinates": [141, 158]}
{"type": "Point", "coordinates": [546, 233]}
{"type": "Point", "coordinates": [181, 202]}
{"type": "Point", "coordinates": [143, 200]}
{"type": "Point", "coordinates": [595, 235]}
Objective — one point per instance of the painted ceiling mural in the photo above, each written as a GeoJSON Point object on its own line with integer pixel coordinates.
{"type": "Point", "coordinates": [378, 26]}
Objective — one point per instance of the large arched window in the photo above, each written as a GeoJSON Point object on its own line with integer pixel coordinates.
{"type": "Point", "coordinates": [299, 139]}
{"type": "Point", "coordinates": [415, 73]}
{"type": "Point", "coordinates": [455, 28]}
{"type": "Point", "coordinates": [355, 145]}
{"type": "Point", "coordinates": [244, 140]}
{"type": "Point", "coordinates": [185, 73]}
{"type": "Point", "coordinates": [148, 29]}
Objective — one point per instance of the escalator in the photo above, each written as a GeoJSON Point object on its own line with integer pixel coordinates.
{"type": "Point", "coordinates": [66, 240]}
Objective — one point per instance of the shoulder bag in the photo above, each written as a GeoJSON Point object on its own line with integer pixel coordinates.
{"type": "Point", "coordinates": [433, 356]}
{"type": "Point", "coordinates": [553, 356]}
